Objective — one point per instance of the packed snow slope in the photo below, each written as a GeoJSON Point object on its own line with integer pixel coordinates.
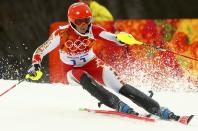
{"type": "Point", "coordinates": [55, 107]}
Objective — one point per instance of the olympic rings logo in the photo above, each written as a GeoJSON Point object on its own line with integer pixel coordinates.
{"type": "Point", "coordinates": [77, 45]}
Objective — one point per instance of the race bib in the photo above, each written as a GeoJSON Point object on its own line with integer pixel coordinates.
{"type": "Point", "coordinates": [77, 60]}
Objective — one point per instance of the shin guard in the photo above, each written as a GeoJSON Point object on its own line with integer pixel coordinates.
{"type": "Point", "coordinates": [140, 98]}
{"type": "Point", "coordinates": [99, 92]}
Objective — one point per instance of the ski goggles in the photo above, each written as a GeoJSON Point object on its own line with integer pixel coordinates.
{"type": "Point", "coordinates": [83, 20]}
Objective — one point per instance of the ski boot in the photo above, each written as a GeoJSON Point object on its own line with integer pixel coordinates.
{"type": "Point", "coordinates": [166, 114]}
{"type": "Point", "coordinates": [122, 107]}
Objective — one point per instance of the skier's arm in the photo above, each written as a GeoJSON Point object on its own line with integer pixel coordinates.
{"type": "Point", "coordinates": [34, 72]}
{"type": "Point", "coordinates": [121, 38]}
{"type": "Point", "coordinates": [52, 42]}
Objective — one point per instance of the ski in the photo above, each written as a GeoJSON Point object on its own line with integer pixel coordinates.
{"type": "Point", "coordinates": [108, 112]}
{"type": "Point", "coordinates": [185, 119]}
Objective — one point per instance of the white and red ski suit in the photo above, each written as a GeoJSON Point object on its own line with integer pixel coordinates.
{"type": "Point", "coordinates": [77, 54]}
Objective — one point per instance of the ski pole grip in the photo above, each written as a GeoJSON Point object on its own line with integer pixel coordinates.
{"type": "Point", "coordinates": [127, 39]}
{"type": "Point", "coordinates": [39, 74]}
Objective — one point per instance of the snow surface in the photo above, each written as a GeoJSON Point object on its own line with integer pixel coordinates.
{"type": "Point", "coordinates": [55, 107]}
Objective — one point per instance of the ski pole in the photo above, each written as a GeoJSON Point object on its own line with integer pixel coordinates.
{"type": "Point", "coordinates": [37, 77]}
{"type": "Point", "coordinates": [164, 50]}
{"type": "Point", "coordinates": [12, 87]}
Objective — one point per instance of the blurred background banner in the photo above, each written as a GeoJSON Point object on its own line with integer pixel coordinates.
{"type": "Point", "coordinates": [178, 36]}
{"type": "Point", "coordinates": [169, 24]}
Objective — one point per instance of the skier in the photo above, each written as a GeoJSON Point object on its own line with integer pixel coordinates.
{"type": "Point", "coordinates": [75, 42]}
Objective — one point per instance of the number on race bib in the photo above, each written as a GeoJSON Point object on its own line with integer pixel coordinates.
{"type": "Point", "coordinates": [81, 60]}
{"type": "Point", "coordinates": [74, 62]}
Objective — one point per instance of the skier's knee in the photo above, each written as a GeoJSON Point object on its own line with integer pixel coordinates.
{"type": "Point", "coordinates": [71, 78]}
{"type": "Point", "coordinates": [98, 91]}
{"type": "Point", "coordinates": [77, 73]}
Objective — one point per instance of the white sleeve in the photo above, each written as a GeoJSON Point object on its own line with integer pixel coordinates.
{"type": "Point", "coordinates": [45, 48]}
{"type": "Point", "coordinates": [110, 37]}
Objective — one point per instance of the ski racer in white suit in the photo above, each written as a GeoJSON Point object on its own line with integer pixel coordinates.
{"type": "Point", "coordinates": [75, 42]}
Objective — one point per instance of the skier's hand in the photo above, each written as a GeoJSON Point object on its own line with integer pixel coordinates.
{"type": "Point", "coordinates": [128, 39]}
{"type": "Point", "coordinates": [34, 72]}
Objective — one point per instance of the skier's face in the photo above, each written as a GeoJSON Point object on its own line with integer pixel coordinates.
{"type": "Point", "coordinates": [82, 24]}
{"type": "Point", "coordinates": [82, 28]}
